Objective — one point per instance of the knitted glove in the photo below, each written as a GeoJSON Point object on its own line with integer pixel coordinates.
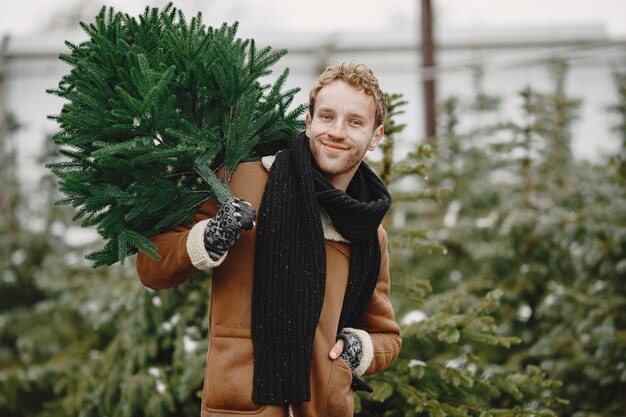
{"type": "Point", "coordinates": [222, 231]}
{"type": "Point", "coordinates": [352, 351]}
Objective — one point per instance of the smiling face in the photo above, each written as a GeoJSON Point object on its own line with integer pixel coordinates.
{"type": "Point", "coordinates": [341, 130]}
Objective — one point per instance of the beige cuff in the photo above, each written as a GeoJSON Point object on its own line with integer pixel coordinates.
{"type": "Point", "coordinates": [367, 349]}
{"type": "Point", "coordinates": [197, 252]}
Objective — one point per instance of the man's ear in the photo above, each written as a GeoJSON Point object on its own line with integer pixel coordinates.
{"type": "Point", "coordinates": [307, 120]}
{"type": "Point", "coordinates": [378, 135]}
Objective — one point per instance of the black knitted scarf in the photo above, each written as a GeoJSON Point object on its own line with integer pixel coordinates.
{"type": "Point", "coordinates": [290, 266]}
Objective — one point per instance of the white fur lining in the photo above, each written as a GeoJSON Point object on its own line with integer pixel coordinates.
{"type": "Point", "coordinates": [197, 252]}
{"type": "Point", "coordinates": [330, 233]}
{"type": "Point", "coordinates": [267, 161]}
{"type": "Point", "coordinates": [367, 349]}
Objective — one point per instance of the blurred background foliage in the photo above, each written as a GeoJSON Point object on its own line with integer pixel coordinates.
{"type": "Point", "coordinates": [523, 310]}
{"type": "Point", "coordinates": [508, 261]}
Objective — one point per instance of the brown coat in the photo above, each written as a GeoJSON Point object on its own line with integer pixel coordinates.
{"type": "Point", "coordinates": [229, 368]}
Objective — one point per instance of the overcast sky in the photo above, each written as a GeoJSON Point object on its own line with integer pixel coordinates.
{"type": "Point", "coordinates": [31, 16]}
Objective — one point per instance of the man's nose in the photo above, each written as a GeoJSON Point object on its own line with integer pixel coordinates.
{"type": "Point", "coordinates": [338, 129]}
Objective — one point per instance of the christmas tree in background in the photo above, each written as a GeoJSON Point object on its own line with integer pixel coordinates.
{"type": "Point", "coordinates": [75, 341]}
{"type": "Point", "coordinates": [46, 331]}
{"type": "Point", "coordinates": [451, 336]}
{"type": "Point", "coordinates": [155, 105]}
{"type": "Point", "coordinates": [544, 231]}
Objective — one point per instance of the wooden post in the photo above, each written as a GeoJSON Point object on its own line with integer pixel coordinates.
{"type": "Point", "coordinates": [428, 62]}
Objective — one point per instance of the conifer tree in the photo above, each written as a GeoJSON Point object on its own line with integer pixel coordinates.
{"type": "Point", "coordinates": [75, 341]}
{"type": "Point", "coordinates": [442, 368]}
{"type": "Point", "coordinates": [44, 335]}
{"type": "Point", "coordinates": [549, 237]}
{"type": "Point", "coordinates": [155, 106]}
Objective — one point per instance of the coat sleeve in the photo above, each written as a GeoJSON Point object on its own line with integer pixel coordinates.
{"type": "Point", "coordinates": [378, 320]}
{"type": "Point", "coordinates": [182, 249]}
{"type": "Point", "coordinates": [175, 265]}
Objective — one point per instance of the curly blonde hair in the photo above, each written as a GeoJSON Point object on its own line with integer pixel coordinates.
{"type": "Point", "coordinates": [357, 75]}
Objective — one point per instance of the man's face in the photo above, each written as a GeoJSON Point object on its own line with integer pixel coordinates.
{"type": "Point", "coordinates": [341, 131]}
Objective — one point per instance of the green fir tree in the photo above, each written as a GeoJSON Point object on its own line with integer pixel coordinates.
{"type": "Point", "coordinates": [449, 334]}
{"type": "Point", "coordinates": [547, 233]}
{"type": "Point", "coordinates": [78, 341]}
{"type": "Point", "coordinates": [155, 105]}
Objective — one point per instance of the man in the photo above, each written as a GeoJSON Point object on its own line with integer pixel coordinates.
{"type": "Point", "coordinates": [299, 304]}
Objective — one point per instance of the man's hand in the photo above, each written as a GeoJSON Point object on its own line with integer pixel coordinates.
{"type": "Point", "coordinates": [222, 231]}
{"type": "Point", "coordinates": [349, 347]}
{"type": "Point", "coordinates": [336, 350]}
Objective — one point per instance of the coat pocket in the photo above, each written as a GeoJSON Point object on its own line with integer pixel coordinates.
{"type": "Point", "coordinates": [228, 377]}
{"type": "Point", "coordinates": [339, 398]}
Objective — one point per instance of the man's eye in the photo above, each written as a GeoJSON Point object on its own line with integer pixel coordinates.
{"type": "Point", "coordinates": [325, 117]}
{"type": "Point", "coordinates": [356, 122]}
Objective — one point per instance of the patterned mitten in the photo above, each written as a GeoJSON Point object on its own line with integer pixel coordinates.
{"type": "Point", "coordinates": [222, 231]}
{"type": "Point", "coordinates": [352, 350]}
